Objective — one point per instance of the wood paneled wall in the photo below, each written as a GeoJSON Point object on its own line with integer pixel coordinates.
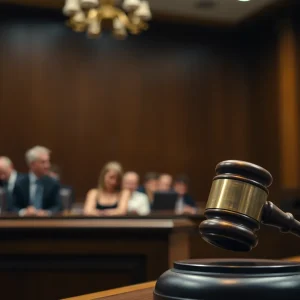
{"type": "Point", "coordinates": [178, 98]}
{"type": "Point", "coordinates": [273, 63]}
{"type": "Point", "coordinates": [288, 107]}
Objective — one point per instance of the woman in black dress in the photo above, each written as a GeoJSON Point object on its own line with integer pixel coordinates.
{"type": "Point", "coordinates": [108, 199]}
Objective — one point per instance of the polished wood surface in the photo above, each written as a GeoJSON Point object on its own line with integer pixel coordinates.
{"type": "Point", "coordinates": [293, 258]}
{"type": "Point", "coordinates": [99, 223]}
{"type": "Point", "coordinates": [128, 292]}
{"type": "Point", "coordinates": [100, 254]}
{"type": "Point", "coordinates": [63, 257]}
{"type": "Point", "coordinates": [289, 107]}
{"type": "Point", "coordinates": [273, 55]}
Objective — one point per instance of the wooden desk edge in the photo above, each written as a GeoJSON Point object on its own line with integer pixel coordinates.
{"type": "Point", "coordinates": [122, 290]}
{"type": "Point", "coordinates": [96, 223]}
{"type": "Point", "coordinates": [133, 288]}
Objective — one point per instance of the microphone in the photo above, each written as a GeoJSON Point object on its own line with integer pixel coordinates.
{"type": "Point", "coordinates": [237, 204]}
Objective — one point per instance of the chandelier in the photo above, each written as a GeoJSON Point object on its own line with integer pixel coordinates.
{"type": "Point", "coordinates": [91, 15]}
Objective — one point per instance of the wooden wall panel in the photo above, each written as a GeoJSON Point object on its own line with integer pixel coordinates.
{"type": "Point", "coordinates": [288, 107]}
{"type": "Point", "coordinates": [262, 86]}
{"type": "Point", "coordinates": [273, 63]}
{"type": "Point", "coordinates": [178, 98]}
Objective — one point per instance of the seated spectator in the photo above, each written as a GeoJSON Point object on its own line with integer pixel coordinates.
{"type": "Point", "coordinates": [55, 172]}
{"type": "Point", "coordinates": [164, 183]}
{"type": "Point", "coordinates": [108, 199]}
{"type": "Point", "coordinates": [185, 203]}
{"type": "Point", "coordinates": [66, 192]}
{"type": "Point", "coordinates": [150, 186]}
{"type": "Point", "coordinates": [8, 179]}
{"type": "Point", "coordinates": [37, 194]}
{"type": "Point", "coordinates": [138, 202]}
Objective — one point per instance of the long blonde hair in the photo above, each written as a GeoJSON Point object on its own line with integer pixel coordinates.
{"type": "Point", "coordinates": [115, 166]}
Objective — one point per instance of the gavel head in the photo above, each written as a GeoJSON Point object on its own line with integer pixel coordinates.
{"type": "Point", "coordinates": [235, 205]}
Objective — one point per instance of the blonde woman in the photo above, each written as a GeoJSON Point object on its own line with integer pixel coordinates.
{"type": "Point", "coordinates": [108, 199]}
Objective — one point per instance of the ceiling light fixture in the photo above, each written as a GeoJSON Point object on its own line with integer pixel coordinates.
{"type": "Point", "coordinates": [88, 15]}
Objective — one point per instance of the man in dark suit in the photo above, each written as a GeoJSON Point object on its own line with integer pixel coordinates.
{"type": "Point", "coordinates": [37, 194]}
{"type": "Point", "coordinates": [185, 203]}
{"type": "Point", "coordinates": [8, 179]}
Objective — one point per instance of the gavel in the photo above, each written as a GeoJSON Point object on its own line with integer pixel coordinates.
{"type": "Point", "coordinates": [237, 204]}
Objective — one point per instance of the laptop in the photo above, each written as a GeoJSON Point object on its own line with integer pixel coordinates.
{"type": "Point", "coordinates": [164, 201]}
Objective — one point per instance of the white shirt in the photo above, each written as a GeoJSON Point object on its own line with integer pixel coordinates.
{"type": "Point", "coordinates": [139, 203]}
{"type": "Point", "coordinates": [179, 207]}
{"type": "Point", "coordinates": [12, 181]}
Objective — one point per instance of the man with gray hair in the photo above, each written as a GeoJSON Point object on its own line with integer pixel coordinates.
{"type": "Point", "coordinates": [37, 194]}
{"type": "Point", "coordinates": [8, 178]}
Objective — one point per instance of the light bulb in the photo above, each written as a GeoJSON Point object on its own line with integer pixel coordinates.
{"type": "Point", "coordinates": [94, 28]}
{"type": "Point", "coordinates": [143, 11]}
{"type": "Point", "coordinates": [79, 17]}
{"type": "Point", "coordinates": [130, 5]}
{"type": "Point", "coordinates": [119, 29]}
{"type": "Point", "coordinates": [71, 7]}
{"type": "Point", "coordinates": [118, 25]}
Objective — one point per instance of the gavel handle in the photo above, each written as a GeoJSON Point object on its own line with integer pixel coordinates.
{"type": "Point", "coordinates": [274, 216]}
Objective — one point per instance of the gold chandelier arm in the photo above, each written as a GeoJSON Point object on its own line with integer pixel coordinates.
{"type": "Point", "coordinates": [75, 25]}
{"type": "Point", "coordinates": [107, 2]}
{"type": "Point", "coordinates": [86, 19]}
{"type": "Point", "coordinates": [133, 27]}
{"type": "Point", "coordinates": [124, 19]}
{"type": "Point", "coordinates": [92, 14]}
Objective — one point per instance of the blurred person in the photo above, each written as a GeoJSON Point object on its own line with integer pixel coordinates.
{"type": "Point", "coordinates": [149, 186]}
{"type": "Point", "coordinates": [55, 172]}
{"type": "Point", "coordinates": [138, 202]}
{"type": "Point", "coordinates": [8, 179]}
{"type": "Point", "coordinates": [108, 199]}
{"type": "Point", "coordinates": [66, 192]}
{"type": "Point", "coordinates": [37, 194]}
{"type": "Point", "coordinates": [165, 183]}
{"type": "Point", "coordinates": [185, 203]}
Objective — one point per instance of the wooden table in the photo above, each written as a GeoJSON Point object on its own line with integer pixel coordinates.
{"type": "Point", "coordinates": [63, 257]}
{"type": "Point", "coordinates": [135, 292]}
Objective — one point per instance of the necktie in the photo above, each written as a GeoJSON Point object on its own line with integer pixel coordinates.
{"type": "Point", "coordinates": [4, 195]}
{"type": "Point", "coordinates": [7, 196]}
{"type": "Point", "coordinates": [38, 196]}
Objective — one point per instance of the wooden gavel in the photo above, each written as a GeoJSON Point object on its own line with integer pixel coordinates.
{"type": "Point", "coordinates": [237, 204]}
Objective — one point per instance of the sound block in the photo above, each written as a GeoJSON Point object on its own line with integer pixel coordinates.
{"type": "Point", "coordinates": [232, 279]}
